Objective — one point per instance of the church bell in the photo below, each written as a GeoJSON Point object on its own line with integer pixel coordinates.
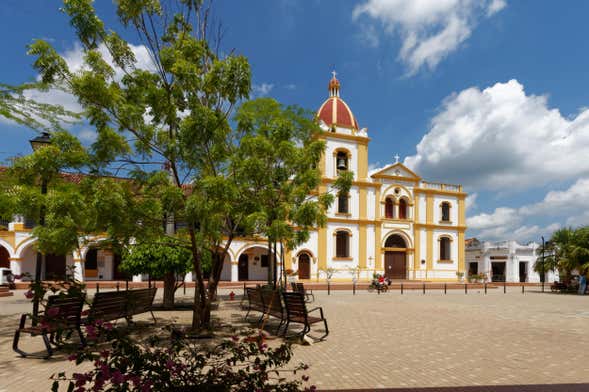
{"type": "Point", "coordinates": [342, 164]}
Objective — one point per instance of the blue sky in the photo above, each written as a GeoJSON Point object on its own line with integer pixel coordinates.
{"type": "Point", "coordinates": [490, 94]}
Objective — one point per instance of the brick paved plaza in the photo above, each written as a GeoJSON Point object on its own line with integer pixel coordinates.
{"type": "Point", "coordinates": [393, 340]}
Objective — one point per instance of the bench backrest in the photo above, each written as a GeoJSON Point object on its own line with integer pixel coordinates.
{"type": "Point", "coordinates": [298, 287]}
{"type": "Point", "coordinates": [108, 305]}
{"type": "Point", "coordinates": [64, 311]}
{"type": "Point", "coordinates": [112, 305]}
{"type": "Point", "coordinates": [254, 296]}
{"type": "Point", "coordinates": [272, 301]}
{"type": "Point", "coordinates": [140, 301]}
{"type": "Point", "coordinates": [295, 305]}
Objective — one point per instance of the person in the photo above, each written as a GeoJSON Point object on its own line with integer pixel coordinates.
{"type": "Point", "coordinates": [582, 284]}
{"type": "Point", "coordinates": [381, 280]}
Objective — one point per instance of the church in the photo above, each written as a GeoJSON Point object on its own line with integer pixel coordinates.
{"type": "Point", "coordinates": [392, 222]}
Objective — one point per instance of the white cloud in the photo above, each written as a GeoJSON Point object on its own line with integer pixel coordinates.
{"type": "Point", "coordinates": [429, 30]}
{"type": "Point", "coordinates": [570, 205]}
{"type": "Point", "coordinates": [262, 89]}
{"type": "Point", "coordinates": [290, 86]}
{"type": "Point", "coordinates": [471, 201]}
{"type": "Point", "coordinates": [502, 139]}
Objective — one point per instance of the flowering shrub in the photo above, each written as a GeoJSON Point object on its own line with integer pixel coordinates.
{"type": "Point", "coordinates": [242, 363]}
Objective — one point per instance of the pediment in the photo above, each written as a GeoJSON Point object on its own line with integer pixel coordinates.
{"type": "Point", "coordinates": [397, 171]}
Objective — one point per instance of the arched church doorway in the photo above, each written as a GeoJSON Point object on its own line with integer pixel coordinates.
{"type": "Point", "coordinates": [395, 258]}
{"type": "Point", "coordinates": [242, 267]}
{"type": "Point", "coordinates": [304, 266]}
{"type": "Point", "coordinates": [4, 258]}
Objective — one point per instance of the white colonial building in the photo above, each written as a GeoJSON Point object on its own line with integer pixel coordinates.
{"type": "Point", "coordinates": [392, 222]}
{"type": "Point", "coordinates": [504, 261]}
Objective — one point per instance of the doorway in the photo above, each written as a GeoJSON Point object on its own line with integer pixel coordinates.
{"type": "Point", "coordinates": [242, 267]}
{"type": "Point", "coordinates": [523, 271]}
{"type": "Point", "coordinates": [304, 266]}
{"type": "Point", "coordinates": [498, 272]}
{"type": "Point", "coordinates": [54, 267]}
{"type": "Point", "coordinates": [4, 258]}
{"type": "Point", "coordinates": [394, 265]}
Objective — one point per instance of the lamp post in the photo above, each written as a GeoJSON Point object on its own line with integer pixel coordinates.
{"type": "Point", "coordinates": [37, 143]}
{"type": "Point", "coordinates": [543, 278]}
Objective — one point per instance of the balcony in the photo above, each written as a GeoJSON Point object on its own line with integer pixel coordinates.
{"type": "Point", "coordinates": [441, 186]}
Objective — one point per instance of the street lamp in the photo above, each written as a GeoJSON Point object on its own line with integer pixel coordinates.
{"type": "Point", "coordinates": [37, 143]}
{"type": "Point", "coordinates": [543, 277]}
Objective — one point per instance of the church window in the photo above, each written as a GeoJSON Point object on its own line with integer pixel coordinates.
{"type": "Point", "coordinates": [446, 211]}
{"type": "Point", "coordinates": [342, 161]}
{"type": "Point", "coordinates": [445, 243]}
{"type": "Point", "coordinates": [342, 203]}
{"type": "Point", "coordinates": [342, 244]}
{"type": "Point", "coordinates": [389, 206]}
{"type": "Point", "coordinates": [402, 209]}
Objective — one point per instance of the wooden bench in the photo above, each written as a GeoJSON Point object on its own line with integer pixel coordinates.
{"type": "Point", "coordinates": [298, 287]}
{"type": "Point", "coordinates": [273, 305]}
{"type": "Point", "coordinates": [62, 314]}
{"type": "Point", "coordinates": [296, 312]}
{"type": "Point", "coordinates": [254, 301]}
{"type": "Point", "coordinates": [114, 305]}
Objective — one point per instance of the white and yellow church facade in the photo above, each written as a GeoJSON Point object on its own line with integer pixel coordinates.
{"type": "Point", "coordinates": [392, 222]}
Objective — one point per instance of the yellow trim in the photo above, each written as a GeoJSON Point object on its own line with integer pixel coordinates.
{"type": "Point", "coordinates": [288, 258]}
{"type": "Point", "coordinates": [395, 178]}
{"type": "Point", "coordinates": [342, 229]}
{"type": "Point", "coordinates": [334, 135]}
{"type": "Point", "coordinates": [15, 259]}
{"type": "Point", "coordinates": [445, 261]}
{"type": "Point", "coordinates": [9, 237]}
{"type": "Point", "coordinates": [444, 227]}
{"type": "Point", "coordinates": [429, 209]}
{"type": "Point", "coordinates": [439, 192]}
{"type": "Point", "coordinates": [321, 242]}
{"type": "Point", "coordinates": [461, 213]}
{"type": "Point", "coordinates": [386, 193]}
{"type": "Point", "coordinates": [408, 250]}
{"type": "Point", "coordinates": [362, 161]}
{"type": "Point", "coordinates": [417, 252]}
{"type": "Point", "coordinates": [362, 246]}
{"type": "Point", "coordinates": [352, 221]}
{"type": "Point", "coordinates": [377, 205]}
{"type": "Point", "coordinates": [322, 164]}
{"type": "Point", "coordinates": [342, 258]}
{"type": "Point", "coordinates": [416, 209]}
{"type": "Point", "coordinates": [461, 265]}
{"type": "Point", "coordinates": [378, 263]}
{"type": "Point", "coordinates": [430, 252]}
{"type": "Point", "coordinates": [363, 203]}
{"type": "Point", "coordinates": [380, 173]}
{"type": "Point", "coordinates": [18, 226]}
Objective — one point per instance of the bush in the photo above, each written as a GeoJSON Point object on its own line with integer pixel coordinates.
{"type": "Point", "coordinates": [242, 363]}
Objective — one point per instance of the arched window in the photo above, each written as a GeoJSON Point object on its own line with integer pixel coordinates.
{"type": "Point", "coordinates": [341, 161]}
{"type": "Point", "coordinates": [342, 203]}
{"type": "Point", "coordinates": [445, 211]}
{"type": "Point", "coordinates": [389, 207]}
{"type": "Point", "coordinates": [445, 253]}
{"type": "Point", "coordinates": [342, 244]}
{"type": "Point", "coordinates": [402, 209]}
{"type": "Point", "coordinates": [395, 241]}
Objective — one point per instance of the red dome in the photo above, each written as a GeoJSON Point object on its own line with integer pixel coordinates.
{"type": "Point", "coordinates": [335, 111]}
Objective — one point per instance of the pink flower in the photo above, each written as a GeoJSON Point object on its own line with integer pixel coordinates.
{"type": "Point", "coordinates": [52, 312]}
{"type": "Point", "coordinates": [91, 331]}
{"type": "Point", "coordinates": [117, 377]}
{"type": "Point", "coordinates": [29, 294]}
{"type": "Point", "coordinates": [107, 326]}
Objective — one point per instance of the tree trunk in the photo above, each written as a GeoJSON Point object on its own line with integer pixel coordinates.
{"type": "Point", "coordinates": [201, 315]}
{"type": "Point", "coordinates": [169, 290]}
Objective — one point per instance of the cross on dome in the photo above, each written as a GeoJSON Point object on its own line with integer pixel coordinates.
{"type": "Point", "coordinates": [334, 85]}
{"type": "Point", "coordinates": [333, 73]}
{"type": "Point", "coordinates": [396, 158]}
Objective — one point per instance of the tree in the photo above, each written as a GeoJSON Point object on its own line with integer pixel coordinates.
{"type": "Point", "coordinates": [160, 262]}
{"type": "Point", "coordinates": [16, 106]}
{"type": "Point", "coordinates": [280, 155]}
{"type": "Point", "coordinates": [567, 249]}
{"type": "Point", "coordinates": [166, 127]}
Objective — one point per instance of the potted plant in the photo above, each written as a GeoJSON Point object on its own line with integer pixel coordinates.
{"type": "Point", "coordinates": [460, 276]}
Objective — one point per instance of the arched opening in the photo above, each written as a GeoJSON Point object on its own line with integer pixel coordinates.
{"type": "Point", "coordinates": [342, 160]}
{"type": "Point", "coordinates": [4, 258]}
{"type": "Point", "coordinates": [445, 211]}
{"type": "Point", "coordinates": [395, 241]}
{"type": "Point", "coordinates": [253, 263]}
{"type": "Point", "coordinates": [445, 253]}
{"type": "Point", "coordinates": [304, 266]}
{"type": "Point", "coordinates": [402, 209]}
{"type": "Point", "coordinates": [91, 263]}
{"type": "Point", "coordinates": [389, 207]}
{"type": "Point", "coordinates": [395, 264]}
{"type": "Point", "coordinates": [342, 244]}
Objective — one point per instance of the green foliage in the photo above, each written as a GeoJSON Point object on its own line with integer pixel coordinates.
{"type": "Point", "coordinates": [156, 260]}
{"type": "Point", "coordinates": [15, 105]}
{"type": "Point", "coordinates": [566, 250]}
{"type": "Point", "coordinates": [242, 363]}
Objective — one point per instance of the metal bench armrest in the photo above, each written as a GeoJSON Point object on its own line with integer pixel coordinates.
{"type": "Point", "coordinates": [319, 308]}
{"type": "Point", "coordinates": [23, 320]}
